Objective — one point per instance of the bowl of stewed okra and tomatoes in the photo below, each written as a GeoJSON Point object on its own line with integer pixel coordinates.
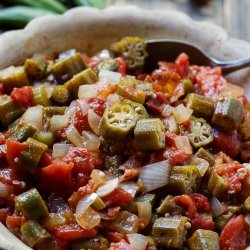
{"type": "Point", "coordinates": [96, 153]}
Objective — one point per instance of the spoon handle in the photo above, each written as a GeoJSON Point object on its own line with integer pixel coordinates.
{"type": "Point", "coordinates": [231, 66]}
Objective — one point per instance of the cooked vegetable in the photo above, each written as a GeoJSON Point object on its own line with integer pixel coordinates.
{"type": "Point", "coordinates": [109, 64]}
{"type": "Point", "coordinates": [45, 137]}
{"type": "Point", "coordinates": [149, 134]}
{"type": "Point", "coordinates": [228, 114]}
{"type": "Point", "coordinates": [24, 132]}
{"type": "Point", "coordinates": [218, 186]}
{"type": "Point", "coordinates": [204, 154]}
{"type": "Point", "coordinates": [40, 96]}
{"type": "Point", "coordinates": [54, 110]}
{"type": "Point", "coordinates": [138, 108]}
{"type": "Point", "coordinates": [61, 95]}
{"type": "Point", "coordinates": [168, 205]}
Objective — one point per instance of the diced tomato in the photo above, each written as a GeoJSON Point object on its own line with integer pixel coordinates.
{"type": "Point", "coordinates": [233, 235]}
{"type": "Point", "coordinates": [199, 222]}
{"type": "Point", "coordinates": [122, 65]}
{"type": "Point", "coordinates": [2, 139]}
{"type": "Point", "coordinates": [7, 175]}
{"type": "Point", "coordinates": [142, 76]}
{"type": "Point", "coordinates": [4, 212]}
{"type": "Point", "coordinates": [122, 245]}
{"type": "Point", "coordinates": [80, 120]}
{"type": "Point", "coordinates": [61, 134]}
{"type": "Point", "coordinates": [228, 143]}
{"type": "Point", "coordinates": [245, 189]}
{"type": "Point", "coordinates": [175, 156]}
{"type": "Point", "coordinates": [154, 106]}
{"type": "Point", "coordinates": [160, 97]}
{"type": "Point", "coordinates": [57, 177]}
{"type": "Point", "coordinates": [46, 159]}
{"type": "Point", "coordinates": [23, 96]}
{"type": "Point", "coordinates": [115, 236]}
{"type": "Point", "coordinates": [118, 197]}
{"type": "Point", "coordinates": [1, 88]}
{"type": "Point", "coordinates": [84, 162]}
{"type": "Point", "coordinates": [201, 202]}
{"type": "Point", "coordinates": [163, 65]}
{"type": "Point", "coordinates": [90, 188]}
{"type": "Point", "coordinates": [187, 201]}
{"type": "Point", "coordinates": [13, 150]}
{"type": "Point", "coordinates": [97, 105]}
{"type": "Point", "coordinates": [80, 180]}
{"type": "Point", "coordinates": [74, 231]}
{"type": "Point", "coordinates": [13, 221]}
{"type": "Point", "coordinates": [182, 65]}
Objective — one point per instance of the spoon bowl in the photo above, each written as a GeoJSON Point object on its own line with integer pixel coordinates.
{"type": "Point", "coordinates": [168, 50]}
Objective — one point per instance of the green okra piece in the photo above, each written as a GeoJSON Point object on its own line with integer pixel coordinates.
{"type": "Point", "coordinates": [127, 89]}
{"type": "Point", "coordinates": [45, 137]}
{"type": "Point", "coordinates": [168, 205]}
{"type": "Point", "coordinates": [117, 121]}
{"type": "Point", "coordinates": [221, 220]}
{"type": "Point", "coordinates": [31, 204]}
{"type": "Point", "coordinates": [9, 110]}
{"type": "Point", "coordinates": [204, 239]}
{"type": "Point", "coordinates": [88, 76]}
{"type": "Point", "coordinates": [98, 204]}
{"type": "Point", "coordinates": [132, 50]}
{"type": "Point", "coordinates": [36, 67]}
{"type": "Point", "coordinates": [23, 133]}
{"type": "Point", "coordinates": [61, 95]}
{"type": "Point", "coordinates": [202, 106]}
{"type": "Point", "coordinates": [188, 86]}
{"type": "Point", "coordinates": [54, 110]}
{"type": "Point", "coordinates": [150, 198]}
{"type": "Point", "coordinates": [228, 114]}
{"type": "Point", "coordinates": [204, 154]}
{"type": "Point", "coordinates": [66, 68]}
{"type": "Point", "coordinates": [170, 232]}
{"type": "Point", "coordinates": [40, 96]}
{"type": "Point", "coordinates": [184, 179]}
{"type": "Point", "coordinates": [146, 87]}
{"type": "Point", "coordinates": [138, 108]}
{"type": "Point", "coordinates": [33, 233]}
{"type": "Point", "coordinates": [150, 134]}
{"type": "Point", "coordinates": [108, 64]}
{"type": "Point", "coordinates": [30, 158]}
{"type": "Point", "coordinates": [218, 186]}
{"type": "Point", "coordinates": [245, 129]}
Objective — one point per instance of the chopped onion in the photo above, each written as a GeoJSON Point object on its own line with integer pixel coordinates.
{"type": "Point", "coordinates": [67, 54]}
{"type": "Point", "coordinates": [87, 91]}
{"type": "Point", "coordinates": [87, 217]}
{"type": "Point", "coordinates": [91, 141]}
{"type": "Point", "coordinates": [144, 212]}
{"type": "Point", "coordinates": [5, 190]}
{"type": "Point", "coordinates": [98, 177]}
{"type": "Point", "coordinates": [58, 122]}
{"type": "Point", "coordinates": [201, 164]}
{"type": "Point", "coordinates": [168, 110]}
{"type": "Point", "coordinates": [182, 114]}
{"type": "Point", "coordinates": [131, 187]}
{"type": "Point", "coordinates": [83, 105]}
{"type": "Point", "coordinates": [74, 137]}
{"type": "Point", "coordinates": [108, 187]}
{"type": "Point", "coordinates": [113, 98]}
{"type": "Point", "coordinates": [109, 76]}
{"type": "Point", "coordinates": [217, 207]}
{"type": "Point", "coordinates": [71, 109]}
{"type": "Point", "coordinates": [182, 143]}
{"type": "Point", "coordinates": [60, 150]}
{"type": "Point", "coordinates": [34, 116]}
{"type": "Point", "coordinates": [155, 175]}
{"type": "Point", "coordinates": [104, 54]}
{"type": "Point", "coordinates": [138, 241]}
{"type": "Point", "coordinates": [232, 90]}
{"type": "Point", "coordinates": [5, 73]}
{"type": "Point", "coordinates": [94, 121]}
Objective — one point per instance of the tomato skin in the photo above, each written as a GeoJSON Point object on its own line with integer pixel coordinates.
{"type": "Point", "coordinates": [74, 231]}
{"type": "Point", "coordinates": [199, 222]}
{"type": "Point", "coordinates": [97, 105]}
{"type": "Point", "coordinates": [201, 202]}
{"type": "Point", "coordinates": [154, 106]}
{"type": "Point", "coordinates": [80, 120]}
{"type": "Point", "coordinates": [23, 96]}
{"type": "Point", "coordinates": [7, 175]}
{"type": "Point", "coordinates": [13, 221]}
{"type": "Point", "coordinates": [182, 65]}
{"type": "Point", "coordinates": [122, 65]}
{"type": "Point", "coordinates": [188, 202]}
{"type": "Point", "coordinates": [1, 88]}
{"type": "Point", "coordinates": [234, 235]}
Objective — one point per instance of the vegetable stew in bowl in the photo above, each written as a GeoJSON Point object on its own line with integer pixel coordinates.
{"type": "Point", "coordinates": [95, 153]}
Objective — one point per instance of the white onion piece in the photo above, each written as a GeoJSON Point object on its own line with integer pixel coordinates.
{"type": "Point", "coordinates": [182, 143]}
{"type": "Point", "coordinates": [109, 76]}
{"type": "Point", "coordinates": [74, 137]}
{"type": "Point", "coordinates": [232, 90]}
{"type": "Point", "coordinates": [155, 175]}
{"type": "Point", "coordinates": [87, 91]}
{"type": "Point", "coordinates": [201, 164]}
{"type": "Point", "coordinates": [131, 187]}
{"type": "Point", "coordinates": [5, 190]}
{"type": "Point", "coordinates": [113, 98]}
{"type": "Point", "coordinates": [217, 207]}
{"type": "Point", "coordinates": [108, 187]}
{"type": "Point", "coordinates": [5, 73]}
{"type": "Point", "coordinates": [91, 141]}
{"type": "Point", "coordinates": [60, 150]}
{"type": "Point", "coordinates": [94, 121]}
{"type": "Point", "coordinates": [182, 114]}
{"type": "Point", "coordinates": [83, 105]}
{"type": "Point", "coordinates": [34, 116]}
{"type": "Point", "coordinates": [71, 109]}
{"type": "Point", "coordinates": [138, 241]}
{"type": "Point", "coordinates": [98, 177]}
{"type": "Point", "coordinates": [84, 203]}
{"type": "Point", "coordinates": [144, 212]}
{"type": "Point", "coordinates": [58, 122]}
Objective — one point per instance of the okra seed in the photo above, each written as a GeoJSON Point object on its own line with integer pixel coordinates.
{"type": "Point", "coordinates": [187, 225]}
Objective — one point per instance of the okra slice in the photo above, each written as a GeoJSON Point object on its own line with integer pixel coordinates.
{"type": "Point", "coordinates": [218, 186]}
{"type": "Point", "coordinates": [65, 69]}
{"type": "Point", "coordinates": [184, 179]}
{"type": "Point", "coordinates": [221, 220]}
{"type": "Point", "coordinates": [150, 134]}
{"type": "Point", "coordinates": [132, 50]}
{"type": "Point", "coordinates": [168, 205]}
{"type": "Point", "coordinates": [14, 77]}
{"type": "Point", "coordinates": [61, 95]}
{"type": "Point", "coordinates": [108, 64]}
{"type": "Point", "coordinates": [202, 106]}
{"type": "Point", "coordinates": [138, 108]}
{"type": "Point", "coordinates": [188, 86]}
{"type": "Point", "coordinates": [170, 232]}
{"type": "Point", "coordinates": [150, 198]}
{"type": "Point", "coordinates": [9, 110]}
{"type": "Point", "coordinates": [204, 154]}
{"type": "Point", "coordinates": [23, 133]}
{"type": "Point", "coordinates": [127, 89]}
{"type": "Point", "coordinates": [204, 239]}
{"type": "Point", "coordinates": [54, 110]}
{"type": "Point", "coordinates": [88, 76]}
{"type": "Point", "coordinates": [33, 233]}
{"type": "Point", "coordinates": [30, 158]}
{"type": "Point", "coordinates": [199, 132]}
{"type": "Point", "coordinates": [118, 121]}
{"type": "Point", "coordinates": [228, 114]}
{"type": "Point", "coordinates": [45, 137]}
{"type": "Point", "coordinates": [31, 204]}
{"type": "Point", "coordinates": [40, 96]}
{"type": "Point", "coordinates": [36, 67]}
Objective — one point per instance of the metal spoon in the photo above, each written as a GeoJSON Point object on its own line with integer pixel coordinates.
{"type": "Point", "coordinates": [168, 50]}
